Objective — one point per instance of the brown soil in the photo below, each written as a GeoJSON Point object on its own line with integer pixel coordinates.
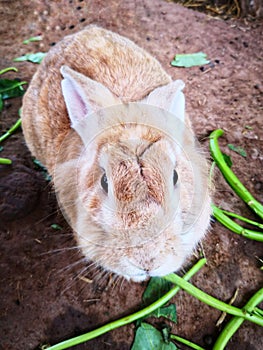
{"type": "Point", "coordinates": [43, 298]}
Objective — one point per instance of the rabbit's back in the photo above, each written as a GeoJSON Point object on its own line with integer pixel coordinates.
{"type": "Point", "coordinates": [125, 69]}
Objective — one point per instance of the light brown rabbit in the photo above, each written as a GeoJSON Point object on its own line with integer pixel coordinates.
{"type": "Point", "coordinates": [110, 126]}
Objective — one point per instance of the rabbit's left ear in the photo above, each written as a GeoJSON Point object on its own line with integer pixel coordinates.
{"type": "Point", "coordinates": [169, 97]}
{"type": "Point", "coordinates": [83, 96]}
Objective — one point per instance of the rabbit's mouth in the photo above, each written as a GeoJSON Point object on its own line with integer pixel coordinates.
{"type": "Point", "coordinates": [141, 267]}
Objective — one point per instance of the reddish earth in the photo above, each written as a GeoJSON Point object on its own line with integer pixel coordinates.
{"type": "Point", "coordinates": [43, 298]}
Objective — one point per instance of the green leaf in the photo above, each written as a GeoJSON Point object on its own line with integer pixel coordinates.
{"type": "Point", "coordinates": [190, 60]}
{"type": "Point", "coordinates": [32, 39]}
{"type": "Point", "coordinates": [1, 103]}
{"type": "Point", "coordinates": [1, 148]}
{"type": "Point", "coordinates": [228, 160]}
{"type": "Point", "coordinates": [11, 88]}
{"type": "Point", "coordinates": [237, 149]}
{"type": "Point", "coordinates": [31, 57]}
{"type": "Point", "coordinates": [149, 338]}
{"type": "Point", "coordinates": [166, 330]}
{"type": "Point", "coordinates": [56, 227]}
{"type": "Point", "coordinates": [156, 288]}
{"type": "Point", "coordinates": [168, 312]}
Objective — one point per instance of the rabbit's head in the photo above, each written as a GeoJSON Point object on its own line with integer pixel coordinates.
{"type": "Point", "coordinates": [141, 199]}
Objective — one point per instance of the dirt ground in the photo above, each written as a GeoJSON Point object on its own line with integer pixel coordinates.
{"type": "Point", "coordinates": [43, 299]}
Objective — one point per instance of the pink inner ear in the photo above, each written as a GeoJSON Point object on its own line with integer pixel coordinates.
{"type": "Point", "coordinates": [77, 108]}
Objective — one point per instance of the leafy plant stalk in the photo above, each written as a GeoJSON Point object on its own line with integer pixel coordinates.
{"type": "Point", "coordinates": [233, 226]}
{"type": "Point", "coordinates": [233, 325]}
{"type": "Point", "coordinates": [230, 177]}
{"type": "Point", "coordinates": [128, 319]}
{"type": "Point", "coordinates": [211, 301]}
{"type": "Point", "coordinates": [11, 130]}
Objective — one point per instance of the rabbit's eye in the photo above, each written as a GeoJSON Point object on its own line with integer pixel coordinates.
{"type": "Point", "coordinates": [104, 182]}
{"type": "Point", "coordinates": [175, 177]}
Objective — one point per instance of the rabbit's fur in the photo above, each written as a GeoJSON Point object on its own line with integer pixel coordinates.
{"type": "Point", "coordinates": [113, 159]}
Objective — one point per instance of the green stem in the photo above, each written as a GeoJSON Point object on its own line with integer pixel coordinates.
{"type": "Point", "coordinates": [230, 177]}
{"type": "Point", "coordinates": [11, 130]}
{"type": "Point", "coordinates": [233, 325]}
{"type": "Point", "coordinates": [211, 301]}
{"type": "Point", "coordinates": [5, 161]}
{"type": "Point", "coordinates": [186, 342]}
{"type": "Point", "coordinates": [8, 69]}
{"type": "Point", "coordinates": [18, 84]}
{"type": "Point", "coordinates": [241, 218]}
{"type": "Point", "coordinates": [234, 227]}
{"type": "Point", "coordinates": [258, 311]}
{"type": "Point", "coordinates": [128, 319]}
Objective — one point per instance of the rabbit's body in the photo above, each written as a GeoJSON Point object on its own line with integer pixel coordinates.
{"type": "Point", "coordinates": [113, 162]}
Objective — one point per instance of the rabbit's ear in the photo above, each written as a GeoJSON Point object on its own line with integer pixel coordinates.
{"type": "Point", "coordinates": [169, 97]}
{"type": "Point", "coordinates": [83, 95]}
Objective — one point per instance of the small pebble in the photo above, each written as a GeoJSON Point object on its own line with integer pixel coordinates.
{"type": "Point", "coordinates": [258, 186]}
{"type": "Point", "coordinates": [208, 339]}
{"type": "Point", "coordinates": [211, 64]}
{"type": "Point", "coordinates": [254, 153]}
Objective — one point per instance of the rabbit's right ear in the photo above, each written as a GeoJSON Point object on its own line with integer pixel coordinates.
{"type": "Point", "coordinates": [169, 97]}
{"type": "Point", "coordinates": [83, 96]}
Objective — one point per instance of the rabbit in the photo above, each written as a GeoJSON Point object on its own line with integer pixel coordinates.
{"type": "Point", "coordinates": [109, 124]}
